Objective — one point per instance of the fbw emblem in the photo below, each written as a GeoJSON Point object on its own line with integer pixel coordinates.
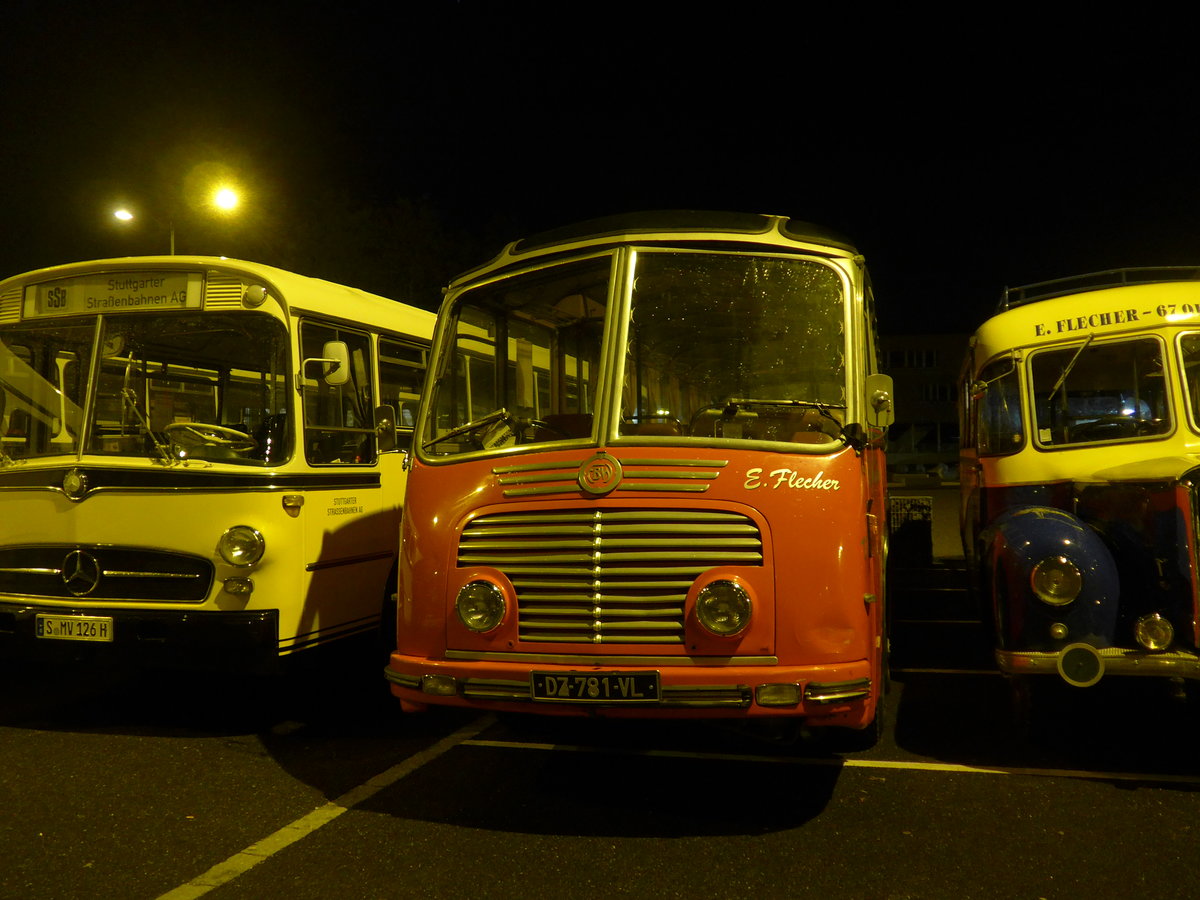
{"type": "Point", "coordinates": [599, 474]}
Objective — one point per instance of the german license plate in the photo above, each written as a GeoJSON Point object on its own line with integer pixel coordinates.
{"type": "Point", "coordinates": [595, 687]}
{"type": "Point", "coordinates": [75, 628]}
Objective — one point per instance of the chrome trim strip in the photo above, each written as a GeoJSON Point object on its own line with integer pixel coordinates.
{"type": "Point", "coordinates": [1117, 661]}
{"type": "Point", "coordinates": [347, 561]}
{"type": "Point", "coordinates": [837, 691]}
{"type": "Point", "coordinates": [676, 488]}
{"type": "Point", "coordinates": [696, 696]}
{"type": "Point", "coordinates": [412, 682]}
{"type": "Point", "coordinates": [114, 573]}
{"type": "Point", "coordinates": [573, 465]}
{"type": "Point", "coordinates": [573, 659]}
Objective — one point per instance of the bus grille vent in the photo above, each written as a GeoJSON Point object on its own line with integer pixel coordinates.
{"type": "Point", "coordinates": [223, 292]}
{"type": "Point", "coordinates": [607, 576]}
{"type": "Point", "coordinates": [10, 306]}
{"type": "Point", "coordinates": [103, 573]}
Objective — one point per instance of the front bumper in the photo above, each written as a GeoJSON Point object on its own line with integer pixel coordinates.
{"type": "Point", "coordinates": [840, 694]}
{"type": "Point", "coordinates": [1099, 661]}
{"type": "Point", "coordinates": [192, 639]}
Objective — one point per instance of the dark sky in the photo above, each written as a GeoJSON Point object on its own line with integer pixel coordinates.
{"type": "Point", "coordinates": [960, 156]}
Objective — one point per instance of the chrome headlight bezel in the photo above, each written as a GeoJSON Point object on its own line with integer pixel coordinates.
{"type": "Point", "coordinates": [481, 606]}
{"type": "Point", "coordinates": [724, 608]}
{"type": "Point", "coordinates": [242, 546]}
{"type": "Point", "coordinates": [1154, 632]}
{"type": "Point", "coordinates": [1056, 581]}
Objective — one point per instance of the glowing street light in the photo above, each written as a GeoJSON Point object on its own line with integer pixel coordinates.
{"type": "Point", "coordinates": [223, 199]}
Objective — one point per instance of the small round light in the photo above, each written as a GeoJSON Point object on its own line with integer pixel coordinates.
{"type": "Point", "coordinates": [1154, 632]}
{"type": "Point", "coordinates": [241, 546]}
{"type": "Point", "coordinates": [1056, 580]}
{"type": "Point", "coordinates": [1058, 631]}
{"type": "Point", "coordinates": [254, 296]}
{"type": "Point", "coordinates": [723, 608]}
{"type": "Point", "coordinates": [480, 606]}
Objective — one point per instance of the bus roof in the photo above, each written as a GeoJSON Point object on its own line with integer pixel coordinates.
{"type": "Point", "coordinates": [1122, 307]}
{"type": "Point", "coordinates": [1094, 281]}
{"type": "Point", "coordinates": [297, 291]}
{"type": "Point", "coordinates": [674, 227]}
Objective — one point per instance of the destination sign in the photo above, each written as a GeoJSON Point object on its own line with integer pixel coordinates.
{"type": "Point", "coordinates": [109, 292]}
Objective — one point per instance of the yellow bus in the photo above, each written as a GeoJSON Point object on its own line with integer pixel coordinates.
{"type": "Point", "coordinates": [201, 460]}
{"type": "Point", "coordinates": [1080, 476]}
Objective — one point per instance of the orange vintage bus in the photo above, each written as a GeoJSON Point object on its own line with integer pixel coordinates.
{"type": "Point", "coordinates": [648, 479]}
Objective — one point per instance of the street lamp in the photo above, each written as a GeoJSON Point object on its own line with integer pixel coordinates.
{"type": "Point", "coordinates": [223, 199]}
{"type": "Point", "coordinates": [124, 214]}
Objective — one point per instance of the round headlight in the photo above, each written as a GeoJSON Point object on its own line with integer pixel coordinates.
{"type": "Point", "coordinates": [1153, 632]}
{"type": "Point", "coordinates": [241, 545]}
{"type": "Point", "coordinates": [1056, 580]}
{"type": "Point", "coordinates": [480, 606]}
{"type": "Point", "coordinates": [723, 607]}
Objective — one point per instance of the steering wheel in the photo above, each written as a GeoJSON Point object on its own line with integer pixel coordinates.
{"type": "Point", "coordinates": [210, 435]}
{"type": "Point", "coordinates": [1113, 426]}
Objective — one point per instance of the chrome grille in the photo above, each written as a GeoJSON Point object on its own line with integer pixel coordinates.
{"type": "Point", "coordinates": [607, 576]}
{"type": "Point", "coordinates": [91, 573]}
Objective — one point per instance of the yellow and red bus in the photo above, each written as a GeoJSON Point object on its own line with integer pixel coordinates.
{"type": "Point", "coordinates": [1080, 473]}
{"type": "Point", "coordinates": [201, 460]}
{"type": "Point", "coordinates": [648, 479]}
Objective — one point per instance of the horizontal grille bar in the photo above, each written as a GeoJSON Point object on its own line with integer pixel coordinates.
{"type": "Point", "coordinates": [87, 573]}
{"type": "Point", "coordinates": [607, 576]}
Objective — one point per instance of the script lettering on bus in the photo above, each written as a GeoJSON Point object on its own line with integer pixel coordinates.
{"type": "Point", "coordinates": [344, 506]}
{"type": "Point", "coordinates": [789, 478]}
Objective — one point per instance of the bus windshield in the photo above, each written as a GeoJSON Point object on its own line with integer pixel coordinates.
{"type": "Point", "coordinates": [728, 346]}
{"type": "Point", "coordinates": [173, 388]}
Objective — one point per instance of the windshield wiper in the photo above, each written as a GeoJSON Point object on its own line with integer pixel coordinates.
{"type": "Point", "coordinates": [1071, 365]}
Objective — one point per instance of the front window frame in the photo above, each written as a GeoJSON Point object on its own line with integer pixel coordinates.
{"type": "Point", "coordinates": [1141, 429]}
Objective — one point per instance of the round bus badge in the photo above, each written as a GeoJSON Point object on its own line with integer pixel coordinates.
{"type": "Point", "coordinates": [75, 484]}
{"type": "Point", "coordinates": [599, 474]}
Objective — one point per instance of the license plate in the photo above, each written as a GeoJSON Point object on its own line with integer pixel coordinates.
{"type": "Point", "coordinates": [75, 628]}
{"type": "Point", "coordinates": [595, 687]}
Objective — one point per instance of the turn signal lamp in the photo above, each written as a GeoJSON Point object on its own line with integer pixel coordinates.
{"type": "Point", "coordinates": [777, 695]}
{"type": "Point", "coordinates": [439, 685]}
{"type": "Point", "coordinates": [1154, 632]}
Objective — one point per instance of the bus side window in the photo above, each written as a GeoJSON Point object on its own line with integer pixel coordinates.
{"type": "Point", "coordinates": [338, 418]}
{"type": "Point", "coordinates": [998, 424]}
{"type": "Point", "coordinates": [401, 374]}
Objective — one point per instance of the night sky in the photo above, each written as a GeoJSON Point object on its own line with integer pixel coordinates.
{"type": "Point", "coordinates": [392, 145]}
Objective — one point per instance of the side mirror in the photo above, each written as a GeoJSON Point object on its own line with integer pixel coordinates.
{"type": "Point", "coordinates": [385, 429]}
{"type": "Point", "coordinates": [880, 411]}
{"type": "Point", "coordinates": [335, 363]}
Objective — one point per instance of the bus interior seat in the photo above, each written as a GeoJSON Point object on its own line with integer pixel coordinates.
{"type": "Point", "coordinates": [811, 427]}
{"type": "Point", "coordinates": [653, 429]}
{"type": "Point", "coordinates": [573, 425]}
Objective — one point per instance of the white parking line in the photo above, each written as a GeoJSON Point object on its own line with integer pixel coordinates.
{"type": "Point", "coordinates": [242, 862]}
{"type": "Point", "coordinates": [856, 763]}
